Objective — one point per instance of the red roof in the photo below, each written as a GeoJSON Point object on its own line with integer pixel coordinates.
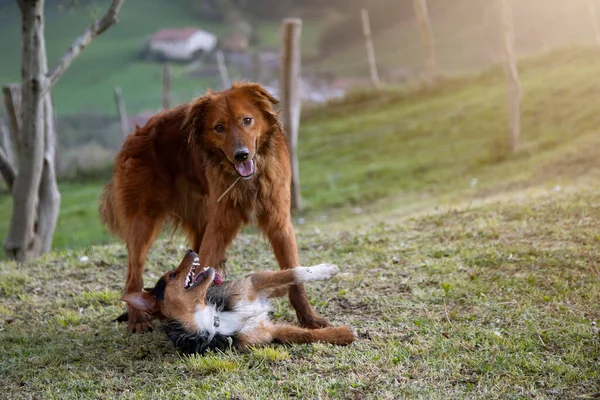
{"type": "Point", "coordinates": [174, 34]}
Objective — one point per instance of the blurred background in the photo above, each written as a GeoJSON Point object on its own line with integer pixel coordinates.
{"type": "Point", "coordinates": [401, 147]}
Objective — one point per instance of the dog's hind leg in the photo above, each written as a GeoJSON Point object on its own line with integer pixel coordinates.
{"type": "Point", "coordinates": [142, 233]}
{"type": "Point", "coordinates": [267, 280]}
{"type": "Point", "coordinates": [340, 335]}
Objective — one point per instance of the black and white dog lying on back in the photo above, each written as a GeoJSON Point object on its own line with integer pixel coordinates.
{"type": "Point", "coordinates": [198, 316]}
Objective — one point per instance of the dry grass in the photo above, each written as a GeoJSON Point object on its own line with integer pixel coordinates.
{"type": "Point", "coordinates": [496, 298]}
{"type": "Point", "coordinates": [495, 301]}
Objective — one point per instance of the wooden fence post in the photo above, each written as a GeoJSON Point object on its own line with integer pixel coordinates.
{"type": "Point", "coordinates": [427, 38]}
{"type": "Point", "coordinates": [512, 76]}
{"type": "Point", "coordinates": [370, 48]}
{"type": "Point", "coordinates": [121, 111]}
{"type": "Point", "coordinates": [257, 67]}
{"type": "Point", "coordinates": [223, 70]}
{"type": "Point", "coordinates": [166, 86]}
{"type": "Point", "coordinates": [289, 85]}
{"type": "Point", "coordinates": [594, 16]}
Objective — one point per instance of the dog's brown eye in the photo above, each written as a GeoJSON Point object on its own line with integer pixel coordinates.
{"type": "Point", "coordinates": [172, 275]}
{"type": "Point", "coordinates": [247, 121]}
{"type": "Point", "coordinates": [219, 128]}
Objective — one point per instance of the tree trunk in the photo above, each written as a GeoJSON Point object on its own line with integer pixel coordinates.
{"type": "Point", "coordinates": [22, 242]}
{"type": "Point", "coordinates": [14, 108]}
{"type": "Point", "coordinates": [6, 144]}
{"type": "Point", "coordinates": [36, 199]}
{"type": "Point", "coordinates": [49, 196]}
{"type": "Point", "coordinates": [6, 160]}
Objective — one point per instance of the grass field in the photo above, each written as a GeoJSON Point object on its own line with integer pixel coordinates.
{"type": "Point", "coordinates": [467, 271]}
{"type": "Point", "coordinates": [487, 302]}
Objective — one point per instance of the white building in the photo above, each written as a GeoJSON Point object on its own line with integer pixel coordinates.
{"type": "Point", "coordinates": [181, 44]}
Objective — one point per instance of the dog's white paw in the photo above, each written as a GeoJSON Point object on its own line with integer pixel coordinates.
{"type": "Point", "coordinates": [316, 273]}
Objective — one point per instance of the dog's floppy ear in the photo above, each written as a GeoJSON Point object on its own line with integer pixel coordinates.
{"type": "Point", "coordinates": [142, 301]}
{"type": "Point", "coordinates": [264, 100]}
{"type": "Point", "coordinates": [195, 113]}
{"type": "Point", "coordinates": [260, 91]}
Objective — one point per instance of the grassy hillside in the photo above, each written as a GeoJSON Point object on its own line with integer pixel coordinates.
{"type": "Point", "coordinates": [489, 302]}
{"type": "Point", "coordinates": [469, 272]}
{"type": "Point", "coordinates": [433, 142]}
{"type": "Point", "coordinates": [420, 149]}
{"type": "Point", "coordinates": [466, 38]}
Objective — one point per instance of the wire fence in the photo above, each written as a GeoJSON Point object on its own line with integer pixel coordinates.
{"type": "Point", "coordinates": [353, 136]}
{"type": "Point", "coordinates": [466, 39]}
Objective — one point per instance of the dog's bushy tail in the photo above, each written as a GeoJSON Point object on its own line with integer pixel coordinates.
{"type": "Point", "coordinates": [107, 209]}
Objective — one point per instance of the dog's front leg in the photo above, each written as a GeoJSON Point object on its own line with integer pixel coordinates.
{"type": "Point", "coordinates": [283, 239]}
{"type": "Point", "coordinates": [220, 231]}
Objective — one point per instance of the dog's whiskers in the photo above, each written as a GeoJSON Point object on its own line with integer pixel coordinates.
{"type": "Point", "coordinates": [228, 189]}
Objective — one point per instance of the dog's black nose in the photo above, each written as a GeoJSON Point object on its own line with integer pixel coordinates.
{"type": "Point", "coordinates": [187, 253]}
{"type": "Point", "coordinates": [241, 155]}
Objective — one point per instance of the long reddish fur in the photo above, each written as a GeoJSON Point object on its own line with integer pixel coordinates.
{"type": "Point", "coordinates": [171, 171]}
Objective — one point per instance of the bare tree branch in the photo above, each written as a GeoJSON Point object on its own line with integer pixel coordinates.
{"type": "Point", "coordinates": [7, 170]}
{"type": "Point", "coordinates": [13, 103]}
{"type": "Point", "coordinates": [100, 25]}
{"type": "Point", "coordinates": [49, 195]}
{"type": "Point", "coordinates": [21, 4]}
{"type": "Point", "coordinates": [5, 143]}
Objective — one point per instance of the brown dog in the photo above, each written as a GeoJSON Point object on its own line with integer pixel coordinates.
{"type": "Point", "coordinates": [199, 316]}
{"type": "Point", "coordinates": [178, 168]}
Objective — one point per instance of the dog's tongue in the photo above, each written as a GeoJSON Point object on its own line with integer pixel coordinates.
{"type": "Point", "coordinates": [218, 280]}
{"type": "Point", "coordinates": [245, 169]}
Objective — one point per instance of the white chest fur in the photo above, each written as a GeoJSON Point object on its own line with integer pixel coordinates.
{"type": "Point", "coordinates": [205, 319]}
{"type": "Point", "coordinates": [245, 316]}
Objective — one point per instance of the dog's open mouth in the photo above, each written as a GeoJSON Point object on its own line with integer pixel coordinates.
{"type": "Point", "coordinates": [245, 169]}
{"type": "Point", "coordinates": [193, 279]}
